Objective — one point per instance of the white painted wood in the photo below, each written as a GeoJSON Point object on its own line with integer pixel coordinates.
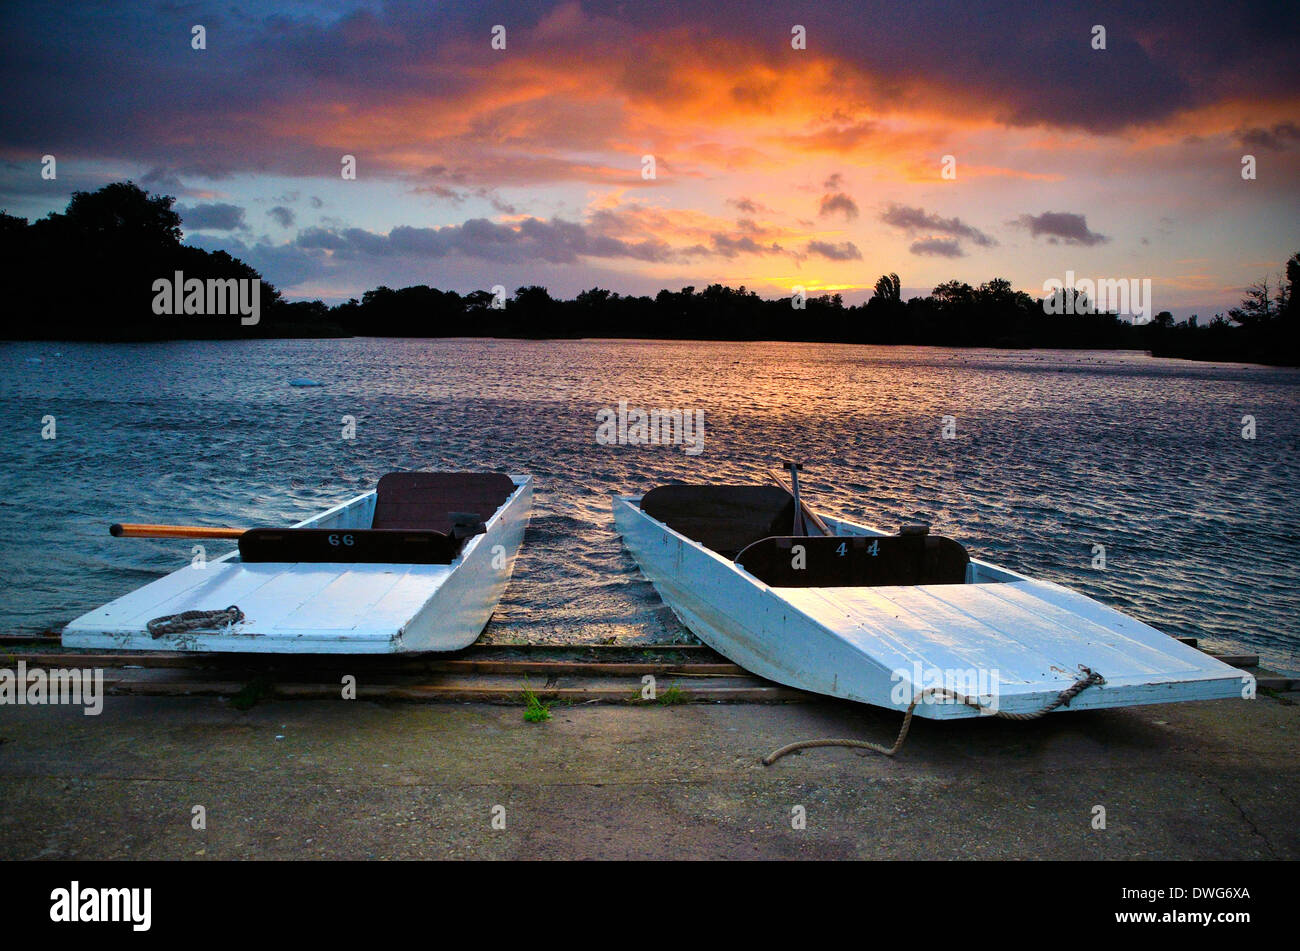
{"type": "Point", "coordinates": [1002, 637]}
{"type": "Point", "coordinates": [326, 608]}
{"type": "Point", "coordinates": [471, 592]}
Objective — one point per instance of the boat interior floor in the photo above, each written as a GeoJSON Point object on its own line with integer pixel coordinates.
{"type": "Point", "coordinates": [751, 525]}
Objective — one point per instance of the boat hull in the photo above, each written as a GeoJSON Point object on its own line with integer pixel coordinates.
{"type": "Point", "coordinates": [1009, 642]}
{"type": "Point", "coordinates": [331, 608]}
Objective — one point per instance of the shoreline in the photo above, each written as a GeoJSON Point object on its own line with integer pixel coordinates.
{"type": "Point", "coordinates": [1199, 358]}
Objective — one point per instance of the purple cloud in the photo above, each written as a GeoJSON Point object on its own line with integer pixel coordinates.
{"type": "Point", "coordinates": [1277, 139]}
{"type": "Point", "coordinates": [838, 202]}
{"type": "Point", "coordinates": [845, 251]}
{"type": "Point", "coordinates": [1061, 227]}
{"type": "Point", "coordinates": [915, 220]}
{"type": "Point", "coordinates": [217, 216]}
{"type": "Point", "coordinates": [937, 247]}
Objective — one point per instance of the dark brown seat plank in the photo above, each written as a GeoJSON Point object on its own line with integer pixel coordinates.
{"type": "Point", "coordinates": [724, 518]}
{"type": "Point", "coordinates": [853, 562]}
{"type": "Point", "coordinates": [426, 500]}
{"type": "Point", "coordinates": [361, 546]}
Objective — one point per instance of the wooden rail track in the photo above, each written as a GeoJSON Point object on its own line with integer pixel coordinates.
{"type": "Point", "coordinates": [482, 673]}
{"type": "Point", "coordinates": [682, 673]}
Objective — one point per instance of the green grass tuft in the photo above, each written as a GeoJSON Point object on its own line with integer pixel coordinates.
{"type": "Point", "coordinates": [534, 710]}
{"type": "Point", "coordinates": [673, 695]}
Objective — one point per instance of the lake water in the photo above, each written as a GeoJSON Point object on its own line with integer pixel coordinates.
{"type": "Point", "coordinates": [1053, 453]}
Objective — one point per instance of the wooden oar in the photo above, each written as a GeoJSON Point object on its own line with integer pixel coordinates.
{"type": "Point", "coordinates": [793, 468]}
{"type": "Point", "coordinates": [173, 531]}
{"type": "Point", "coordinates": [802, 507]}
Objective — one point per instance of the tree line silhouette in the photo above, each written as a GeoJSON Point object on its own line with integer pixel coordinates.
{"type": "Point", "coordinates": [1265, 328]}
{"type": "Point", "coordinates": [88, 274]}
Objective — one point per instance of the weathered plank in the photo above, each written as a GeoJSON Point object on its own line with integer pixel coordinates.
{"type": "Point", "coordinates": [373, 665]}
{"type": "Point", "coordinates": [607, 690]}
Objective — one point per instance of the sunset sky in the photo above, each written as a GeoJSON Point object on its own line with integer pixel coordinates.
{"type": "Point", "coordinates": [774, 166]}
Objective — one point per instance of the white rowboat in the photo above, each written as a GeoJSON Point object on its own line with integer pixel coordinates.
{"type": "Point", "coordinates": [418, 564]}
{"type": "Point", "coordinates": [882, 619]}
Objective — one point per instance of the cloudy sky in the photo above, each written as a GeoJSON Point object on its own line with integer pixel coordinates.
{"type": "Point", "coordinates": [772, 166]}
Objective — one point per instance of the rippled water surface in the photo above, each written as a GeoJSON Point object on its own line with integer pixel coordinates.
{"type": "Point", "coordinates": [1054, 453]}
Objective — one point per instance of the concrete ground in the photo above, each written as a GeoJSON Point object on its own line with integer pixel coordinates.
{"type": "Point", "coordinates": [339, 779]}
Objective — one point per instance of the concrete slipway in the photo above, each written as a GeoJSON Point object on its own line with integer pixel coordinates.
{"type": "Point", "coordinates": [360, 779]}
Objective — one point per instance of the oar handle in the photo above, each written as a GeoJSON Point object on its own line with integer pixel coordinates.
{"type": "Point", "coordinates": [172, 531]}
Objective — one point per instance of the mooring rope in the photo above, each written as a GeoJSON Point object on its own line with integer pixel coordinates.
{"type": "Point", "coordinates": [1062, 699]}
{"type": "Point", "coordinates": [193, 621]}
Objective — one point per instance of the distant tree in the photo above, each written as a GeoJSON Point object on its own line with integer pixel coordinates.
{"type": "Point", "coordinates": [1285, 288]}
{"type": "Point", "coordinates": [1291, 305]}
{"type": "Point", "coordinates": [534, 313]}
{"type": "Point", "coordinates": [998, 289]}
{"type": "Point", "coordinates": [1257, 307]}
{"type": "Point", "coordinates": [888, 289]}
{"type": "Point", "coordinates": [124, 211]}
{"type": "Point", "coordinates": [88, 273]}
{"type": "Point", "coordinates": [954, 294]}
{"type": "Point", "coordinates": [477, 301]}
{"type": "Point", "coordinates": [533, 297]}
{"type": "Point", "coordinates": [1067, 300]}
{"type": "Point", "coordinates": [593, 299]}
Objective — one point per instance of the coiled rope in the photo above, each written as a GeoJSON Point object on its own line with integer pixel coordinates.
{"type": "Point", "coordinates": [193, 621]}
{"type": "Point", "coordinates": [1062, 699]}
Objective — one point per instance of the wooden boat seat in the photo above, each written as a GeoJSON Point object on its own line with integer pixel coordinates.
{"type": "Point", "coordinates": [856, 561]}
{"type": "Point", "coordinates": [430, 500]}
{"type": "Point", "coordinates": [421, 518]}
{"type": "Point", "coordinates": [724, 518]}
{"type": "Point", "coordinates": [358, 546]}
